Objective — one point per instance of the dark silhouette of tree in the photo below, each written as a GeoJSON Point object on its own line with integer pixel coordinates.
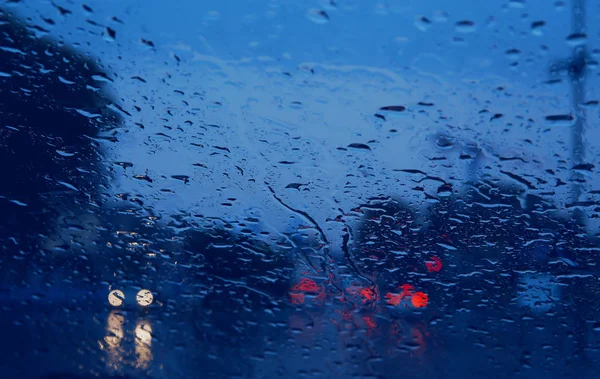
{"type": "Point", "coordinates": [53, 108]}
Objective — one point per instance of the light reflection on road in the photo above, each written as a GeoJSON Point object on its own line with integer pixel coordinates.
{"type": "Point", "coordinates": [120, 354]}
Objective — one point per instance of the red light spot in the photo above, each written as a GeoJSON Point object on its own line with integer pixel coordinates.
{"type": "Point", "coordinates": [297, 298]}
{"type": "Point", "coordinates": [370, 321]}
{"type": "Point", "coordinates": [307, 285]}
{"type": "Point", "coordinates": [396, 299]}
{"type": "Point", "coordinates": [347, 315]}
{"type": "Point", "coordinates": [393, 299]}
{"type": "Point", "coordinates": [435, 265]}
{"type": "Point", "coordinates": [321, 296]}
{"type": "Point", "coordinates": [407, 290]}
{"type": "Point", "coordinates": [420, 299]}
{"type": "Point", "coordinates": [368, 294]}
{"type": "Point", "coordinates": [417, 337]}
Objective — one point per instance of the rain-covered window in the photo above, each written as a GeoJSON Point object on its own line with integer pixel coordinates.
{"type": "Point", "coordinates": [298, 189]}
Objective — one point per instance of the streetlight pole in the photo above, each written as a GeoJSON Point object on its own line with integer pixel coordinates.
{"type": "Point", "coordinates": [576, 68]}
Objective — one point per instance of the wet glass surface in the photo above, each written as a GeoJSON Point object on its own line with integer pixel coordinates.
{"type": "Point", "coordinates": [264, 189]}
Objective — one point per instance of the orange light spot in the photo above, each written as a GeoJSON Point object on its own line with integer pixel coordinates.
{"type": "Point", "coordinates": [420, 299]}
{"type": "Point", "coordinates": [297, 298]}
{"type": "Point", "coordinates": [435, 265]}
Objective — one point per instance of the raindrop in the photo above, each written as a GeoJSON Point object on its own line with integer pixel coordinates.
{"type": "Point", "coordinates": [183, 178]}
{"type": "Point", "coordinates": [513, 54]}
{"type": "Point", "coordinates": [577, 39]}
{"type": "Point", "coordinates": [143, 177]}
{"type": "Point", "coordinates": [102, 78]}
{"type": "Point", "coordinates": [63, 153]}
{"type": "Point", "coordinates": [318, 15]}
{"type": "Point", "coordinates": [116, 298]}
{"type": "Point", "coordinates": [561, 119]}
{"type": "Point", "coordinates": [65, 81]}
{"type": "Point", "coordinates": [296, 105]}
{"type": "Point", "coordinates": [69, 186]}
{"type": "Point", "coordinates": [393, 108]}
{"type": "Point", "coordinates": [124, 164]}
{"type": "Point", "coordinates": [444, 142]}
{"type": "Point", "coordinates": [222, 148]}
{"type": "Point", "coordinates": [110, 33]}
{"type": "Point", "coordinates": [423, 23]}
{"type": "Point", "coordinates": [19, 203]}
{"type": "Point", "coordinates": [584, 167]}
{"type": "Point", "coordinates": [87, 114]}
{"type": "Point", "coordinates": [144, 298]}
{"type": "Point", "coordinates": [147, 42]}
{"type": "Point", "coordinates": [295, 186]}
{"type": "Point", "coordinates": [465, 26]}
{"type": "Point", "coordinates": [444, 190]}
{"type": "Point", "coordinates": [359, 146]}
{"type": "Point", "coordinates": [63, 11]}
{"type": "Point", "coordinates": [537, 27]}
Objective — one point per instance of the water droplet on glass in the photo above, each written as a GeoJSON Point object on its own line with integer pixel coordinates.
{"type": "Point", "coordinates": [318, 15]}
{"type": "Point", "coordinates": [465, 26]}
{"type": "Point", "coordinates": [560, 119]}
{"type": "Point", "coordinates": [577, 39]}
{"type": "Point", "coordinates": [144, 298]}
{"type": "Point", "coordinates": [513, 54]}
{"type": "Point", "coordinates": [537, 27]}
{"type": "Point", "coordinates": [116, 298]}
{"type": "Point", "coordinates": [423, 23]}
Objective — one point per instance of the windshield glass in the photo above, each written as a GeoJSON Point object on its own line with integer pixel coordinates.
{"type": "Point", "coordinates": [276, 188]}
